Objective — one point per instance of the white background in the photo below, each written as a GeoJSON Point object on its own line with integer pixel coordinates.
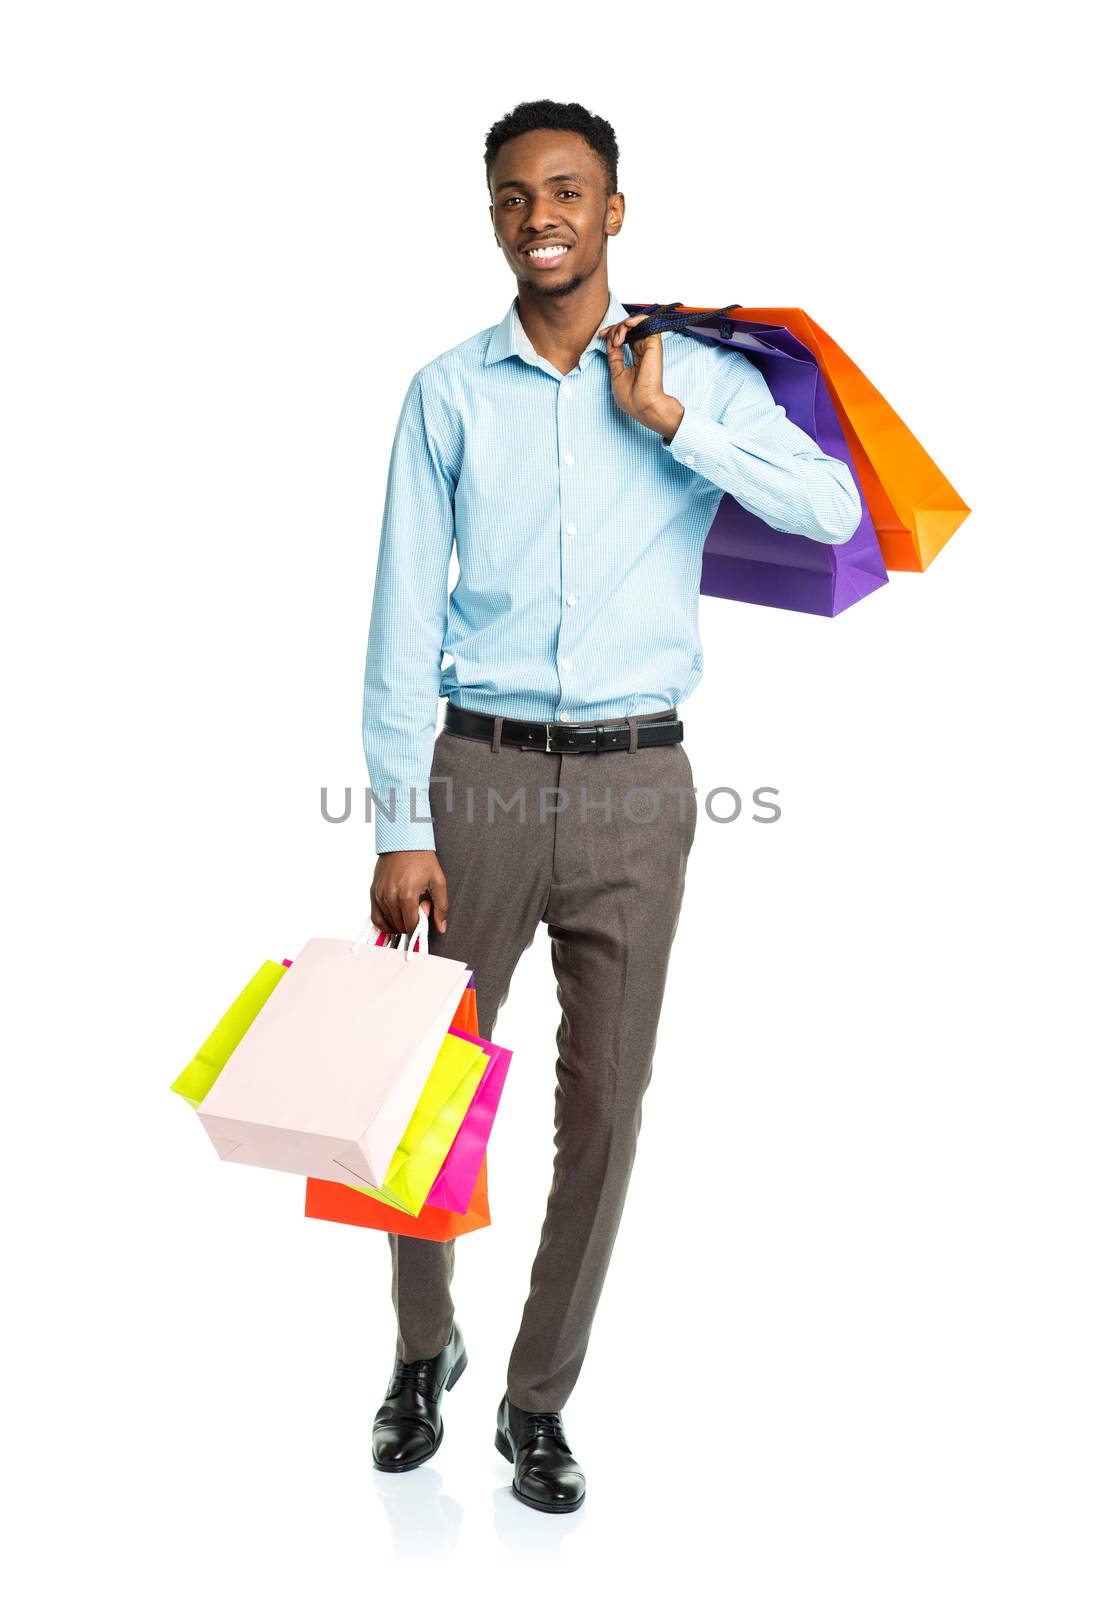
{"type": "Point", "coordinates": [844, 1344]}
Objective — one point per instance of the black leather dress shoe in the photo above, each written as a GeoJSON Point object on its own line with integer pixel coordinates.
{"type": "Point", "coordinates": [408, 1427]}
{"type": "Point", "coordinates": [547, 1475]}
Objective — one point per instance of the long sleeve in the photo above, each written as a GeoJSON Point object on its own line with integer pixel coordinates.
{"type": "Point", "coordinates": [406, 632]}
{"type": "Point", "coordinates": [744, 443]}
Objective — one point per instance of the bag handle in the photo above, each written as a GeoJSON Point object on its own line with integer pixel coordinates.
{"type": "Point", "coordinates": [669, 319]}
{"type": "Point", "coordinates": [420, 936]}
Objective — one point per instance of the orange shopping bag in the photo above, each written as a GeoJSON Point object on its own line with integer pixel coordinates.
{"type": "Point", "coordinates": [914, 507]}
{"type": "Point", "coordinates": [338, 1202]}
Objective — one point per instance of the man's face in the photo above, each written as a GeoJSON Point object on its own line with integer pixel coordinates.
{"type": "Point", "coordinates": [549, 190]}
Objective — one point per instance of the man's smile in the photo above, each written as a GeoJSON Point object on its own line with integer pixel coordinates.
{"type": "Point", "coordinates": [546, 255]}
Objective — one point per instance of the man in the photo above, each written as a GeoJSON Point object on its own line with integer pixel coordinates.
{"type": "Point", "coordinates": [577, 488]}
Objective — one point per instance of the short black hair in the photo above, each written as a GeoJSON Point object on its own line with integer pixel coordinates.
{"type": "Point", "coordinates": [567, 117]}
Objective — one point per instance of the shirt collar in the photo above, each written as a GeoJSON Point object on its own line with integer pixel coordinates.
{"type": "Point", "coordinates": [509, 339]}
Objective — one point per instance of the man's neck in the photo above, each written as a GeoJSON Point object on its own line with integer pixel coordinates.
{"type": "Point", "coordinates": [560, 327]}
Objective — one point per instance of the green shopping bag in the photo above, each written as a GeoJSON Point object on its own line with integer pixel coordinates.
{"type": "Point", "coordinates": [194, 1082]}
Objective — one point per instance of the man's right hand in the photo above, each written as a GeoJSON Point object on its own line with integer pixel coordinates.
{"type": "Point", "coordinates": [402, 880]}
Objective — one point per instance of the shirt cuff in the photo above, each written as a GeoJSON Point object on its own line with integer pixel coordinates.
{"type": "Point", "coordinates": [406, 829]}
{"type": "Point", "coordinates": [698, 435]}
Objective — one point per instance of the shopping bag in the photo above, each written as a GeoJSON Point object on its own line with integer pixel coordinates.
{"type": "Point", "coordinates": [426, 1142]}
{"type": "Point", "coordinates": [468, 1005]}
{"type": "Point", "coordinates": [914, 507]}
{"type": "Point", "coordinates": [454, 1185]}
{"type": "Point", "coordinates": [744, 558]}
{"type": "Point", "coordinates": [337, 1202]}
{"type": "Point", "coordinates": [195, 1080]}
{"type": "Point", "coordinates": [326, 1077]}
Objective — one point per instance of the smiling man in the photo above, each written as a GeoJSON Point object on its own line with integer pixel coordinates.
{"type": "Point", "coordinates": [576, 478]}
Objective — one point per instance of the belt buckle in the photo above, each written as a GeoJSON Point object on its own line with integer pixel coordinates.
{"type": "Point", "coordinates": [556, 748]}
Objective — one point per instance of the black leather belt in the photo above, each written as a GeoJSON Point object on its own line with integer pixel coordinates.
{"type": "Point", "coordinates": [562, 737]}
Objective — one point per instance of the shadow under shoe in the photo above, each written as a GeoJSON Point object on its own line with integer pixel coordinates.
{"type": "Point", "coordinates": [408, 1428]}
{"type": "Point", "coordinates": [547, 1475]}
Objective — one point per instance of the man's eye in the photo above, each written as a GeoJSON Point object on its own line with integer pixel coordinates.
{"type": "Point", "coordinates": [514, 199]}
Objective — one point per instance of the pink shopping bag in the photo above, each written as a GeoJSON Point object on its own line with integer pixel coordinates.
{"type": "Point", "coordinates": [327, 1076]}
{"type": "Point", "coordinates": [455, 1181]}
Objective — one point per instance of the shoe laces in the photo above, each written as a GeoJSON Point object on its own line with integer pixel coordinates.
{"type": "Point", "coordinates": [415, 1375]}
{"type": "Point", "coordinates": [544, 1422]}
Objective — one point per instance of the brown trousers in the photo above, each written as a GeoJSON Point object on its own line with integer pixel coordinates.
{"type": "Point", "coordinates": [608, 884]}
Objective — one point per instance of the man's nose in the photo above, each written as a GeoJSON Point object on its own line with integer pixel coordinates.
{"type": "Point", "coordinates": [541, 217]}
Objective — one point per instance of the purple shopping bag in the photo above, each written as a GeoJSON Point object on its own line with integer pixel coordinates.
{"type": "Point", "coordinates": [744, 558]}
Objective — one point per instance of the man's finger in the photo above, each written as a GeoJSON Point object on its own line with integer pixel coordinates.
{"type": "Point", "coordinates": [648, 360]}
{"type": "Point", "coordinates": [409, 906]}
{"type": "Point", "coordinates": [653, 334]}
{"type": "Point", "coordinates": [440, 906]}
{"type": "Point", "coordinates": [615, 363]}
{"type": "Point", "coordinates": [616, 331]}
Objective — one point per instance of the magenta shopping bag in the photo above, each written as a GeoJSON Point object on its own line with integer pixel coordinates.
{"type": "Point", "coordinates": [744, 558]}
{"type": "Point", "coordinates": [455, 1181]}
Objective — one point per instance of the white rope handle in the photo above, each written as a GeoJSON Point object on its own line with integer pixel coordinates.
{"type": "Point", "coordinates": [420, 936]}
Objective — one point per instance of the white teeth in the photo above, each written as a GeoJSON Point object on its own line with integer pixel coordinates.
{"type": "Point", "coordinates": [551, 250]}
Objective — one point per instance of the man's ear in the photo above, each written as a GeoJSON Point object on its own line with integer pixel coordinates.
{"type": "Point", "coordinates": [616, 210]}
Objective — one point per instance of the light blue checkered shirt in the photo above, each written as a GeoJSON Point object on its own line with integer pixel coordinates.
{"type": "Point", "coordinates": [579, 536]}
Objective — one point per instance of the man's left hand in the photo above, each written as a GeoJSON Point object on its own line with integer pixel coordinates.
{"type": "Point", "coordinates": [639, 388]}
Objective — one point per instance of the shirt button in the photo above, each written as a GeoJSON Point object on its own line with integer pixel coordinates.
{"type": "Point", "coordinates": [571, 599]}
{"type": "Point", "coordinates": [571, 527]}
{"type": "Point", "coordinates": [563, 716]}
{"type": "Point", "coordinates": [565, 665]}
{"type": "Point", "coordinates": [568, 460]}
{"type": "Point", "coordinates": [565, 388]}
{"type": "Point", "coordinates": [690, 460]}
